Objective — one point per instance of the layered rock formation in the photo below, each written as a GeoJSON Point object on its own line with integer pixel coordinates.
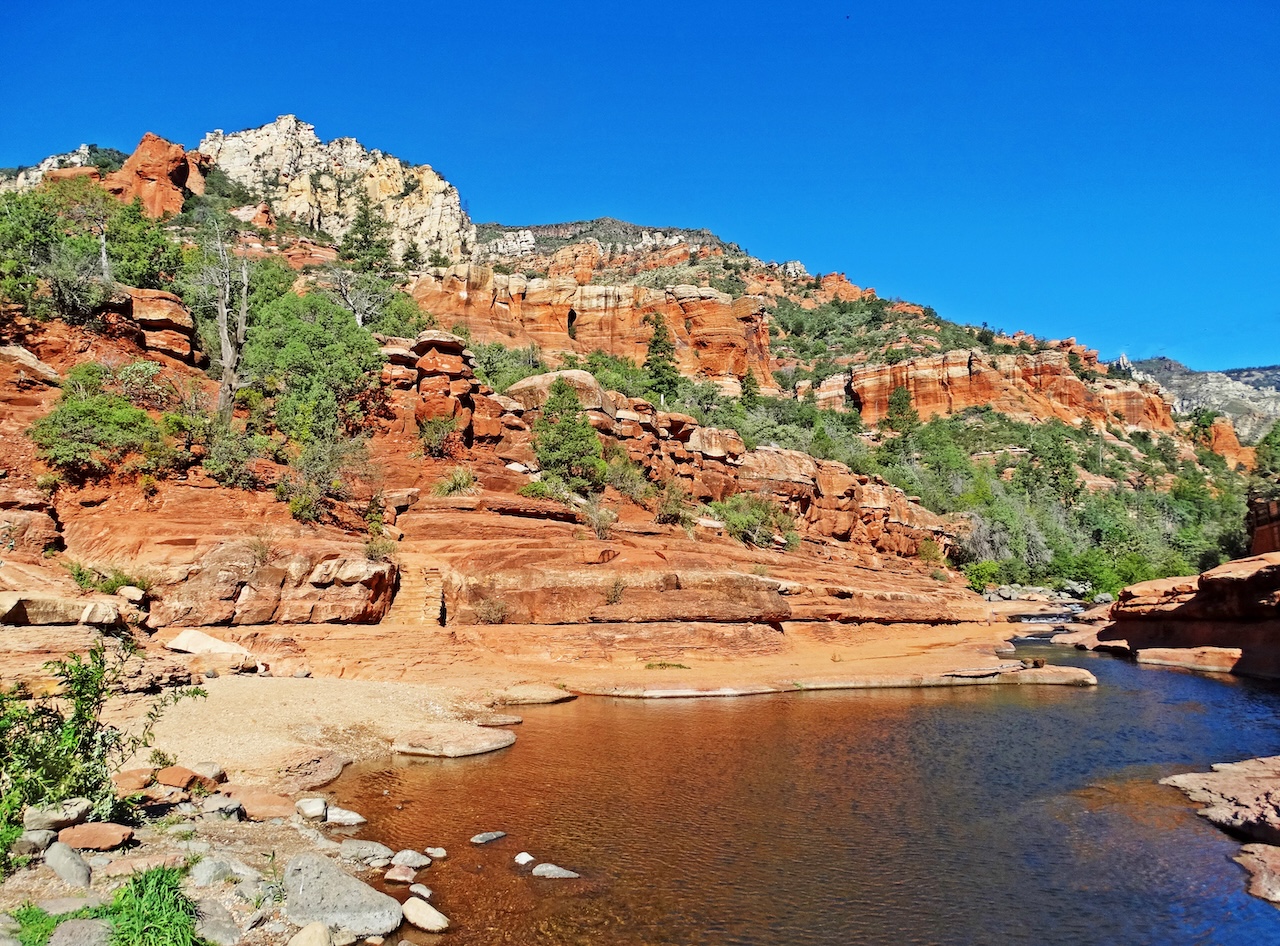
{"type": "Point", "coordinates": [434, 377]}
{"type": "Point", "coordinates": [717, 337]}
{"type": "Point", "coordinates": [1226, 619]}
{"type": "Point", "coordinates": [315, 184]}
{"type": "Point", "coordinates": [1027, 386]}
{"type": "Point", "coordinates": [1248, 396]}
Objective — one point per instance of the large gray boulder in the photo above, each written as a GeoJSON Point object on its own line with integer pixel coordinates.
{"type": "Point", "coordinates": [318, 891]}
{"type": "Point", "coordinates": [81, 933]}
{"type": "Point", "coordinates": [67, 864]}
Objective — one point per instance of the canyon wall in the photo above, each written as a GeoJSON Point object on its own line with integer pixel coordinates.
{"type": "Point", "coordinates": [717, 337]}
{"type": "Point", "coordinates": [1026, 386]}
{"type": "Point", "coordinates": [432, 376]}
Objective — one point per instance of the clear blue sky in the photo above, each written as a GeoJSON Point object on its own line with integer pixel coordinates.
{"type": "Point", "coordinates": [1103, 168]}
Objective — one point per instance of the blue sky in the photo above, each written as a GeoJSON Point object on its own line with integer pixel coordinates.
{"type": "Point", "coordinates": [1104, 169]}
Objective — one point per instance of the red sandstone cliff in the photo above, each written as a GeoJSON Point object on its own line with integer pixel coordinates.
{"type": "Point", "coordinates": [1025, 386]}
{"type": "Point", "coordinates": [717, 337]}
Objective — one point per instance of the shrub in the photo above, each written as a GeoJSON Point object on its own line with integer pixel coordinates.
{"type": "Point", "coordinates": [55, 748]}
{"type": "Point", "coordinates": [938, 575]}
{"type": "Point", "coordinates": [929, 552]}
{"type": "Point", "coordinates": [491, 611]}
{"type": "Point", "coordinates": [437, 435]}
{"type": "Point", "coordinates": [982, 573]}
{"type": "Point", "coordinates": [547, 487]}
{"type": "Point", "coordinates": [459, 482]}
{"type": "Point", "coordinates": [755, 520]}
{"type": "Point", "coordinates": [565, 442]}
{"type": "Point", "coordinates": [628, 479]}
{"type": "Point", "coordinates": [90, 436]}
{"type": "Point", "coordinates": [379, 549]}
{"type": "Point", "coordinates": [598, 517]}
{"type": "Point", "coordinates": [673, 506]}
{"type": "Point", "coordinates": [613, 594]}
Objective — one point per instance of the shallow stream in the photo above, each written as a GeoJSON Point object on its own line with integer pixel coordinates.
{"type": "Point", "coordinates": [974, 815]}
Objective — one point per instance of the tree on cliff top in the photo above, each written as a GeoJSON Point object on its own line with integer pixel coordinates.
{"type": "Point", "coordinates": [660, 362]}
{"type": "Point", "coordinates": [565, 442]}
{"type": "Point", "coordinates": [367, 244]}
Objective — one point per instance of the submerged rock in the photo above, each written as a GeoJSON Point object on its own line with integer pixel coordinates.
{"type": "Point", "coordinates": [486, 836]}
{"type": "Point", "coordinates": [554, 872]}
{"type": "Point", "coordinates": [424, 916]}
{"type": "Point", "coordinates": [453, 740]}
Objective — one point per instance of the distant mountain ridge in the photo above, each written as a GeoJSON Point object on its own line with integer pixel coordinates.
{"type": "Point", "coordinates": [1250, 397]}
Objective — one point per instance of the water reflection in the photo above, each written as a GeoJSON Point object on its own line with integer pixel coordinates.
{"type": "Point", "coordinates": [971, 815]}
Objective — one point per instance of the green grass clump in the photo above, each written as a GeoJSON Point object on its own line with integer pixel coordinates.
{"type": "Point", "coordinates": [459, 482]}
{"type": "Point", "coordinates": [152, 910]}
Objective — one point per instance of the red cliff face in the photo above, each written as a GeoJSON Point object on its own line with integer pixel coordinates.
{"type": "Point", "coordinates": [1025, 386]}
{"type": "Point", "coordinates": [1224, 442]}
{"type": "Point", "coordinates": [160, 174]}
{"type": "Point", "coordinates": [717, 338]}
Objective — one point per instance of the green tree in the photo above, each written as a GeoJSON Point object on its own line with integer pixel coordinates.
{"type": "Point", "coordinates": [367, 243]}
{"type": "Point", "coordinates": [565, 442]}
{"type": "Point", "coordinates": [660, 362]}
{"type": "Point", "coordinates": [309, 353]}
{"type": "Point", "coordinates": [901, 417]}
{"type": "Point", "coordinates": [750, 390]}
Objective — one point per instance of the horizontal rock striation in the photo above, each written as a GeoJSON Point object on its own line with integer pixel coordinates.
{"type": "Point", "coordinates": [717, 337]}
{"type": "Point", "coordinates": [1225, 619]}
{"type": "Point", "coordinates": [1028, 386]}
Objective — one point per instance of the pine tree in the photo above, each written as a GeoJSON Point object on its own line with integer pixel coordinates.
{"type": "Point", "coordinates": [660, 362]}
{"type": "Point", "coordinates": [750, 390]}
{"type": "Point", "coordinates": [565, 442]}
{"type": "Point", "coordinates": [367, 245]}
{"type": "Point", "coordinates": [901, 417]}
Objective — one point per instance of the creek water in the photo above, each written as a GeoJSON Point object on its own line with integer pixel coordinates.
{"type": "Point", "coordinates": [974, 815]}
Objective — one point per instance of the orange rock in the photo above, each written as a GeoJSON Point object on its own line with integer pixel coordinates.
{"type": "Point", "coordinates": [160, 174]}
{"type": "Point", "coordinates": [260, 805]}
{"type": "Point", "coordinates": [1026, 386]}
{"type": "Point", "coordinates": [1224, 442]}
{"type": "Point", "coordinates": [67, 174]}
{"type": "Point", "coordinates": [95, 836]}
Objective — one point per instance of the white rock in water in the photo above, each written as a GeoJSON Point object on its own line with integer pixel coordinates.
{"type": "Point", "coordinates": [524, 857]}
{"type": "Point", "coordinates": [411, 859]}
{"type": "Point", "coordinates": [436, 853]}
{"type": "Point", "coordinates": [421, 890]}
{"type": "Point", "coordinates": [424, 916]}
{"type": "Point", "coordinates": [486, 836]}
{"type": "Point", "coordinates": [342, 816]}
{"type": "Point", "coordinates": [554, 872]}
{"type": "Point", "coordinates": [313, 808]}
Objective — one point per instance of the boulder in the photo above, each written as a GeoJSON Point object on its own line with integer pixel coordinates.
{"type": "Point", "coordinates": [411, 859]}
{"type": "Point", "coordinates": [532, 392]}
{"type": "Point", "coordinates": [191, 641]}
{"type": "Point", "coordinates": [400, 875]}
{"type": "Point", "coordinates": [56, 817]}
{"type": "Point", "coordinates": [312, 808]}
{"type": "Point", "coordinates": [356, 850]}
{"type": "Point", "coordinates": [318, 891]}
{"type": "Point", "coordinates": [346, 818]}
{"type": "Point", "coordinates": [216, 924]}
{"type": "Point", "coordinates": [95, 836]}
{"type": "Point", "coordinates": [259, 805]}
{"type": "Point", "coordinates": [23, 609]}
{"type": "Point", "coordinates": [31, 843]}
{"type": "Point", "coordinates": [67, 864]}
{"type": "Point", "coordinates": [452, 740]}
{"type": "Point", "coordinates": [313, 934]}
{"type": "Point", "coordinates": [81, 933]}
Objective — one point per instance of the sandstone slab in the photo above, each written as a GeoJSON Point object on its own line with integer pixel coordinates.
{"type": "Point", "coordinates": [95, 836]}
{"type": "Point", "coordinates": [452, 740]}
{"type": "Point", "coordinates": [318, 890]}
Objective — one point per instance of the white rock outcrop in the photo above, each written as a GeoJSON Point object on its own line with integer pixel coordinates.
{"type": "Point", "coordinates": [315, 184]}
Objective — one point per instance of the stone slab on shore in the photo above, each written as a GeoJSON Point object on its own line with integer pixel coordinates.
{"type": "Point", "coordinates": [1243, 799]}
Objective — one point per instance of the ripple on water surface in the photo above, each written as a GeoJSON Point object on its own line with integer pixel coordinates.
{"type": "Point", "coordinates": [969, 815]}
